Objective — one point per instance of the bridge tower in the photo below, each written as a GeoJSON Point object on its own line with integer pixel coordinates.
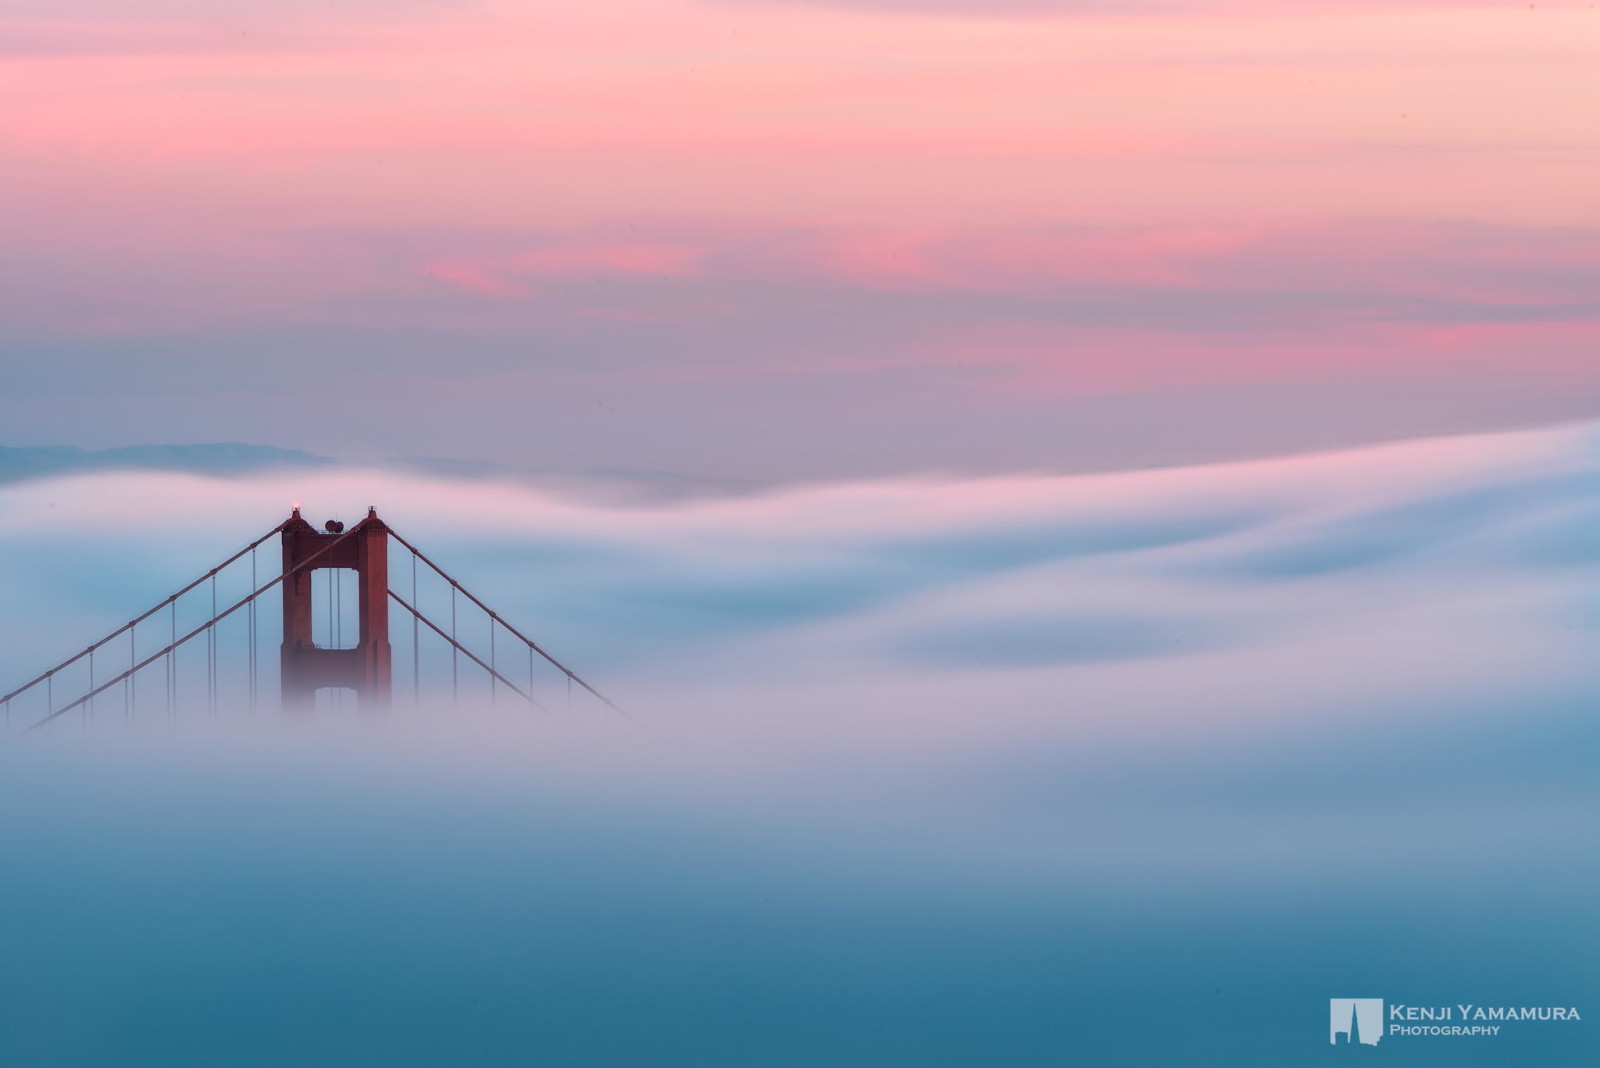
{"type": "Point", "coordinates": [307, 667]}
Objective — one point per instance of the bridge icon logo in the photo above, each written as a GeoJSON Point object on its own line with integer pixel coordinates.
{"type": "Point", "coordinates": [1356, 1019]}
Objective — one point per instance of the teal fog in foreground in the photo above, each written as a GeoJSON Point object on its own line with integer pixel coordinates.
{"type": "Point", "coordinates": [1130, 769]}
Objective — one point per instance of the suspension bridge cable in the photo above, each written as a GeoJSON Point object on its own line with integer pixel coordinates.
{"type": "Point", "coordinates": [466, 652]}
{"type": "Point", "coordinates": [169, 653]}
{"type": "Point", "coordinates": [219, 617]}
{"type": "Point", "coordinates": [131, 624]}
{"type": "Point", "coordinates": [571, 675]}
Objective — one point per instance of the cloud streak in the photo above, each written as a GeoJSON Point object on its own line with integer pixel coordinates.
{"type": "Point", "coordinates": [701, 231]}
{"type": "Point", "coordinates": [1119, 9]}
{"type": "Point", "coordinates": [1098, 567]}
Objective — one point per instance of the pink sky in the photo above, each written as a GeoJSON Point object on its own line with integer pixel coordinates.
{"type": "Point", "coordinates": [1081, 196]}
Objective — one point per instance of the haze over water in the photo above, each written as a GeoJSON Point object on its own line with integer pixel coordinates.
{"type": "Point", "coordinates": [1118, 769]}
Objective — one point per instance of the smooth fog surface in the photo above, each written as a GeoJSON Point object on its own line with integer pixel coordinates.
{"type": "Point", "coordinates": [1125, 769]}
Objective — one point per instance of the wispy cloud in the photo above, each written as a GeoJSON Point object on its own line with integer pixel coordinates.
{"type": "Point", "coordinates": [1045, 9]}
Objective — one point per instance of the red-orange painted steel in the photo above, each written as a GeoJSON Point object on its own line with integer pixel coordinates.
{"type": "Point", "coordinates": [307, 667]}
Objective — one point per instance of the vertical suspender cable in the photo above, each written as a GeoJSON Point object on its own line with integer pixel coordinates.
{"type": "Point", "coordinates": [455, 652]}
{"type": "Point", "coordinates": [131, 691]}
{"type": "Point", "coordinates": [211, 651]}
{"type": "Point", "coordinates": [416, 651]}
{"type": "Point", "coordinates": [253, 584]}
{"type": "Point", "coordinates": [127, 678]}
{"type": "Point", "coordinates": [337, 576]}
{"type": "Point", "coordinates": [572, 677]}
{"type": "Point", "coordinates": [335, 592]}
{"type": "Point", "coordinates": [172, 669]}
{"type": "Point", "coordinates": [493, 692]}
{"type": "Point", "coordinates": [88, 707]}
{"type": "Point", "coordinates": [327, 576]}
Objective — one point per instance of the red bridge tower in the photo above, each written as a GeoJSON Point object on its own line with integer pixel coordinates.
{"type": "Point", "coordinates": [308, 667]}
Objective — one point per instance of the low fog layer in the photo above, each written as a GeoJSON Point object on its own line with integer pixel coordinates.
{"type": "Point", "coordinates": [919, 764]}
{"type": "Point", "coordinates": [1328, 636]}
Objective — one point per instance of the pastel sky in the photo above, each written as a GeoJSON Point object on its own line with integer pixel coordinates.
{"type": "Point", "coordinates": [767, 239]}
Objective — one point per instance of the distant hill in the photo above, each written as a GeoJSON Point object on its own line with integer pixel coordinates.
{"type": "Point", "coordinates": [40, 461]}
{"type": "Point", "coordinates": [44, 461]}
